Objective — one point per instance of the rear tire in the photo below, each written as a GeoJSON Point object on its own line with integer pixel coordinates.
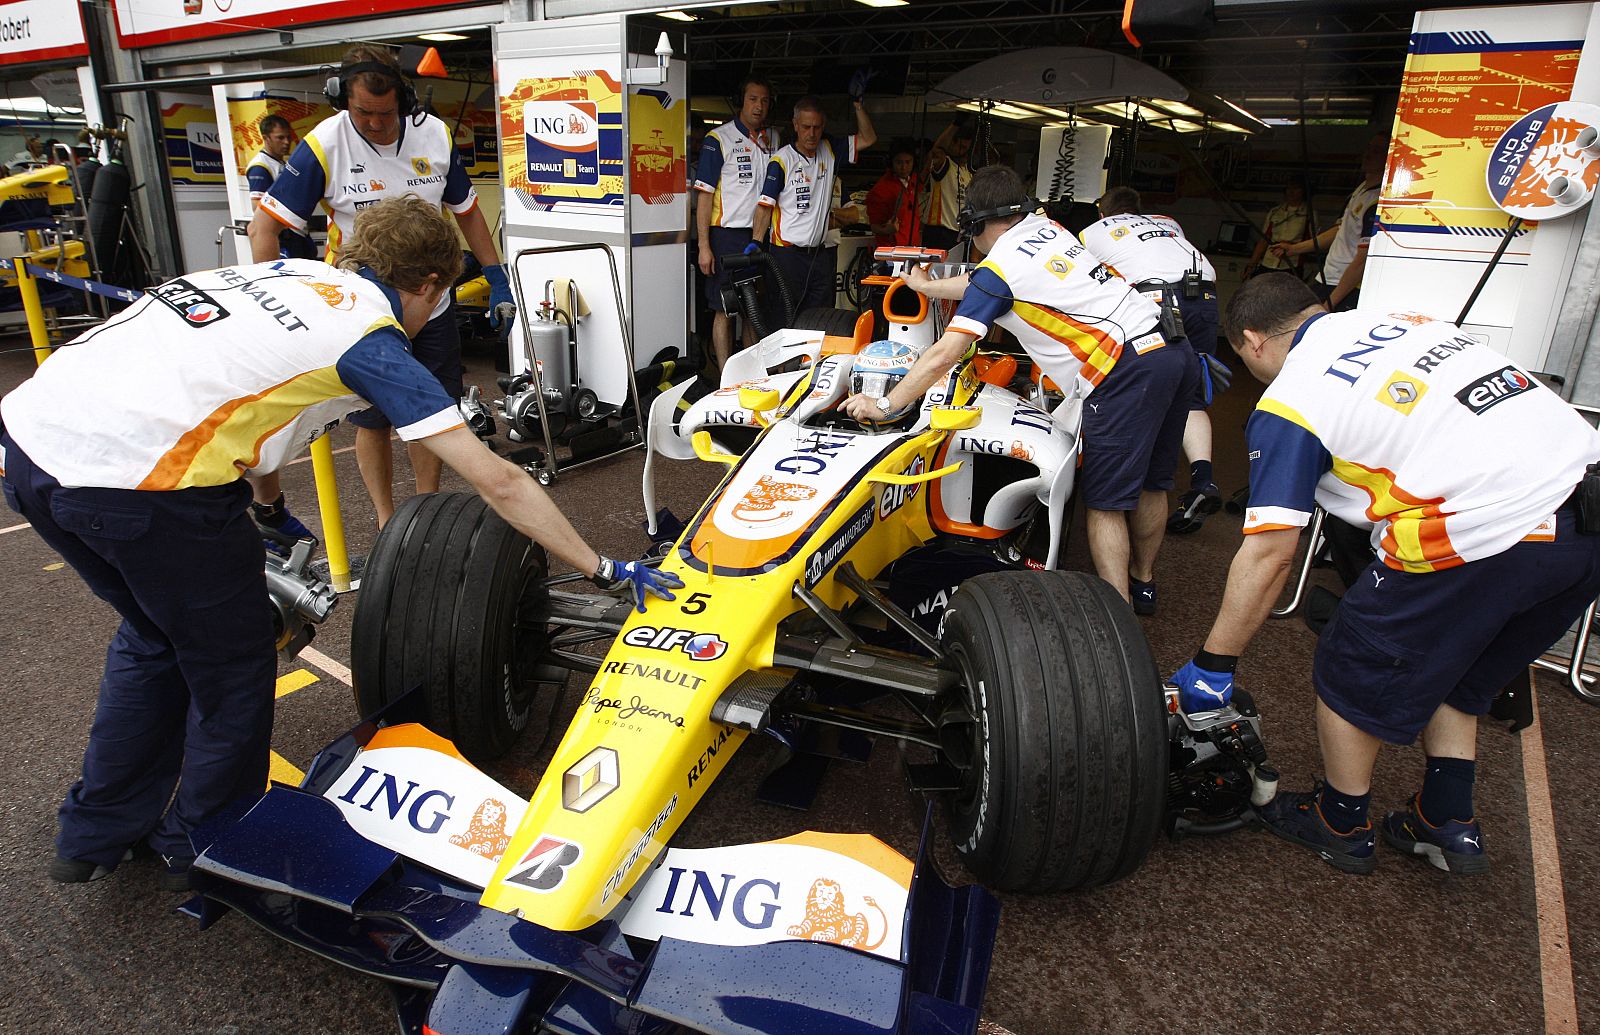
{"type": "Point", "coordinates": [1067, 784]}
{"type": "Point", "coordinates": [450, 601]}
{"type": "Point", "coordinates": [838, 322]}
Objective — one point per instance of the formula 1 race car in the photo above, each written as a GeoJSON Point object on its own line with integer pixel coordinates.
{"type": "Point", "coordinates": [894, 580]}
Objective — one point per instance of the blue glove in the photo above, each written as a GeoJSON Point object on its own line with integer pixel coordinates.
{"type": "Point", "coordinates": [858, 83]}
{"type": "Point", "coordinates": [1214, 375]}
{"type": "Point", "coordinates": [641, 579]}
{"type": "Point", "coordinates": [499, 291]}
{"type": "Point", "coordinates": [753, 248]}
{"type": "Point", "coordinates": [1201, 690]}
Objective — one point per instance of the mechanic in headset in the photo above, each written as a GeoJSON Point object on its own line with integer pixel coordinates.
{"type": "Point", "coordinates": [1087, 330]}
{"type": "Point", "coordinates": [1478, 486]}
{"type": "Point", "coordinates": [379, 146]}
{"type": "Point", "coordinates": [733, 163]}
{"type": "Point", "coordinates": [205, 380]}
{"type": "Point", "coordinates": [1151, 253]}
{"type": "Point", "coordinates": [797, 197]}
{"type": "Point", "coordinates": [277, 140]}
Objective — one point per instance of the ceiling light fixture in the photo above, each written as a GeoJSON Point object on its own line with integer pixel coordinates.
{"type": "Point", "coordinates": [678, 16]}
{"type": "Point", "coordinates": [442, 37]}
{"type": "Point", "coordinates": [883, 3]}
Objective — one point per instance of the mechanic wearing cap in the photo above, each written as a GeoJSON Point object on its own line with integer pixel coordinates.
{"type": "Point", "coordinates": [796, 197]}
{"type": "Point", "coordinates": [949, 176]}
{"type": "Point", "coordinates": [1087, 330]}
{"type": "Point", "coordinates": [733, 163]}
{"type": "Point", "coordinates": [376, 148]}
{"type": "Point", "coordinates": [1339, 283]}
{"type": "Point", "coordinates": [205, 380]}
{"type": "Point", "coordinates": [277, 140]}
{"type": "Point", "coordinates": [1151, 253]}
{"type": "Point", "coordinates": [1468, 473]}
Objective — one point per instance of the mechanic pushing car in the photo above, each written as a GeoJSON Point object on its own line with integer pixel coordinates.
{"type": "Point", "coordinates": [208, 379]}
{"type": "Point", "coordinates": [1085, 327]}
{"type": "Point", "coordinates": [1477, 484]}
{"type": "Point", "coordinates": [379, 144]}
{"type": "Point", "coordinates": [1150, 252]}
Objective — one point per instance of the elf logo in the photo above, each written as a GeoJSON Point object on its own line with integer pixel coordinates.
{"type": "Point", "coordinates": [195, 306]}
{"type": "Point", "coordinates": [546, 864]}
{"type": "Point", "coordinates": [699, 646]}
{"type": "Point", "coordinates": [1494, 389]}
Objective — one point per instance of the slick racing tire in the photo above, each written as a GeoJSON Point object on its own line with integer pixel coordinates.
{"type": "Point", "coordinates": [450, 602]}
{"type": "Point", "coordinates": [839, 322]}
{"type": "Point", "coordinates": [1066, 787]}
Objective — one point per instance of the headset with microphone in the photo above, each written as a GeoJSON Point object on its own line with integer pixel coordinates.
{"type": "Point", "coordinates": [969, 224]}
{"type": "Point", "coordinates": [337, 89]}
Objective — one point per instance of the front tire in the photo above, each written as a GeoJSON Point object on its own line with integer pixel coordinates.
{"type": "Point", "coordinates": [1066, 787]}
{"type": "Point", "coordinates": [446, 588]}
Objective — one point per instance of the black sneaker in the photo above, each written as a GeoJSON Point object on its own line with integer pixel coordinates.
{"type": "Point", "coordinates": [1452, 846]}
{"type": "Point", "coordinates": [174, 874]}
{"type": "Point", "coordinates": [1142, 595]}
{"type": "Point", "coordinates": [1193, 506]}
{"type": "Point", "coordinates": [1296, 816]}
{"type": "Point", "coordinates": [80, 871]}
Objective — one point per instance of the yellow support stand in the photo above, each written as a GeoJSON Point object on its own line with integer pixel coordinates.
{"type": "Point", "coordinates": [332, 519]}
{"type": "Point", "coordinates": [28, 286]}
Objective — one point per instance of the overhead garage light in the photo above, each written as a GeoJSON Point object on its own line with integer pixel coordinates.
{"type": "Point", "coordinates": [678, 16]}
{"type": "Point", "coordinates": [1005, 111]}
{"type": "Point", "coordinates": [442, 37]}
{"type": "Point", "coordinates": [883, 3]}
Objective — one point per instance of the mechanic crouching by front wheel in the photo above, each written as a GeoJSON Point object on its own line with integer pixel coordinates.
{"type": "Point", "coordinates": [205, 380]}
{"type": "Point", "coordinates": [1470, 475]}
{"type": "Point", "coordinates": [1089, 332]}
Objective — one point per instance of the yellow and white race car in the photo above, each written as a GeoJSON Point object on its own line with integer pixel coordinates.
{"type": "Point", "coordinates": [826, 584]}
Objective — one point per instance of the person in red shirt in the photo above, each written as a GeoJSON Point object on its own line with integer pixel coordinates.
{"type": "Point", "coordinates": [892, 201]}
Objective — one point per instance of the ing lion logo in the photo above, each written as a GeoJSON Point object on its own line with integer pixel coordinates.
{"type": "Point", "coordinates": [761, 502]}
{"type": "Point", "coordinates": [486, 835]}
{"type": "Point", "coordinates": [1020, 451]}
{"type": "Point", "coordinates": [332, 294]}
{"type": "Point", "coordinates": [377, 185]}
{"type": "Point", "coordinates": [1414, 319]}
{"type": "Point", "coordinates": [826, 920]}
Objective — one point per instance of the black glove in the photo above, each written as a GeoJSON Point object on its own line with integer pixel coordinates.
{"type": "Point", "coordinates": [858, 84]}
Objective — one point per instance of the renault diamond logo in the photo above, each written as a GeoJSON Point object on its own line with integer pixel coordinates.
{"type": "Point", "coordinates": [590, 780]}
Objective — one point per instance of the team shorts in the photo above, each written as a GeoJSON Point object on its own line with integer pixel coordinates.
{"type": "Point", "coordinates": [809, 275]}
{"type": "Point", "coordinates": [1402, 643]}
{"type": "Point", "coordinates": [1133, 425]}
{"type": "Point", "coordinates": [1200, 321]}
{"type": "Point", "coordinates": [725, 240]}
{"type": "Point", "coordinates": [437, 347]}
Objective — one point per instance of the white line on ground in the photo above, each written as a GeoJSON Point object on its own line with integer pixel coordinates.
{"type": "Point", "coordinates": [15, 528]}
{"type": "Point", "coordinates": [1550, 900]}
{"type": "Point", "coordinates": [312, 656]}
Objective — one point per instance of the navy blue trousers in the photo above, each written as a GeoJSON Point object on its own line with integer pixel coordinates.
{"type": "Point", "coordinates": [186, 700]}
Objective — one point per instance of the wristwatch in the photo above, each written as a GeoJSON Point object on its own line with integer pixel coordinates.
{"type": "Point", "coordinates": [883, 405]}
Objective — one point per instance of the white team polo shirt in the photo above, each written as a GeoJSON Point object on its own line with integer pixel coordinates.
{"type": "Point", "coordinates": [733, 164]}
{"type": "Point", "coordinates": [799, 190]}
{"type": "Point", "coordinates": [1072, 314]}
{"type": "Point", "coordinates": [1140, 248]}
{"type": "Point", "coordinates": [336, 167]}
{"type": "Point", "coordinates": [220, 374]}
{"type": "Point", "coordinates": [1448, 450]}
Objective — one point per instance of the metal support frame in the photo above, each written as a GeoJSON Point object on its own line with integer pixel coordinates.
{"type": "Point", "coordinates": [546, 469]}
{"type": "Point", "coordinates": [1313, 544]}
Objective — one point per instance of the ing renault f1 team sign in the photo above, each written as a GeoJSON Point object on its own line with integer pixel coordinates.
{"type": "Point", "coordinates": [563, 142]}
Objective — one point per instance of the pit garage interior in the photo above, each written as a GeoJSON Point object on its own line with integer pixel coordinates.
{"type": "Point", "coordinates": [1236, 932]}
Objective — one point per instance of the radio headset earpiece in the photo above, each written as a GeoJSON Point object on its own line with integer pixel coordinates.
{"type": "Point", "coordinates": [970, 224]}
{"type": "Point", "coordinates": [337, 89]}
